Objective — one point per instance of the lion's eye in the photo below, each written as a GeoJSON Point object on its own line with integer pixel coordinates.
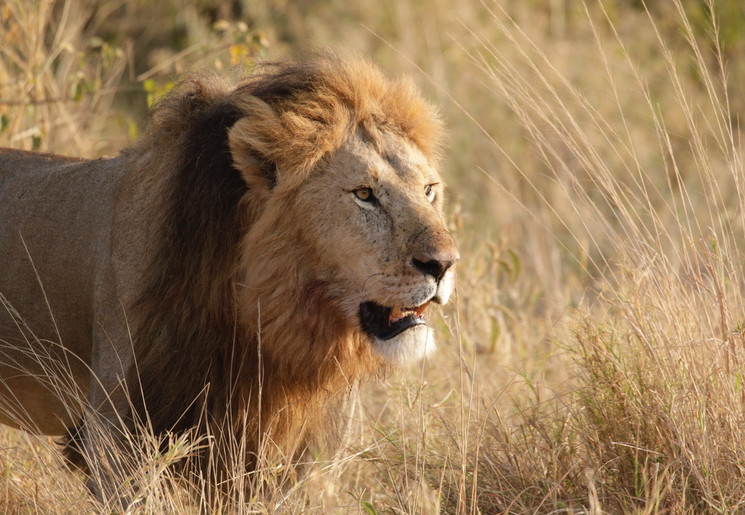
{"type": "Point", "coordinates": [364, 193]}
{"type": "Point", "coordinates": [429, 190]}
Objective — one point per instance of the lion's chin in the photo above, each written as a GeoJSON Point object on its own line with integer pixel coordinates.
{"type": "Point", "coordinates": [409, 346]}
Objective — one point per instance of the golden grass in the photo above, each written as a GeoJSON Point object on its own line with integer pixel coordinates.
{"type": "Point", "coordinates": [593, 359]}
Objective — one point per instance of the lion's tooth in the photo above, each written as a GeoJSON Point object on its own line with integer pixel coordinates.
{"type": "Point", "coordinates": [396, 315]}
{"type": "Point", "coordinates": [421, 309]}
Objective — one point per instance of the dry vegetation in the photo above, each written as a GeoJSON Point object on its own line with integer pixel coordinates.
{"type": "Point", "coordinates": [593, 359]}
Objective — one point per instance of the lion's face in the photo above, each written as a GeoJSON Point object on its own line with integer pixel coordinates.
{"type": "Point", "coordinates": [380, 235]}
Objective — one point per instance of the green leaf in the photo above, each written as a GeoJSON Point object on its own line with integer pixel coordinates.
{"type": "Point", "coordinates": [132, 130]}
{"type": "Point", "coordinates": [369, 508]}
{"type": "Point", "coordinates": [81, 89]}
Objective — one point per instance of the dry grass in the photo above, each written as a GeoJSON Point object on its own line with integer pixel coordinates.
{"type": "Point", "coordinates": [596, 175]}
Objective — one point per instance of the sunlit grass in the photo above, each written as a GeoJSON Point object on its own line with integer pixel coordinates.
{"type": "Point", "coordinates": [593, 356]}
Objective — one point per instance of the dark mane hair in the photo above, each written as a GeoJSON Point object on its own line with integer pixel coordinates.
{"type": "Point", "coordinates": [193, 274]}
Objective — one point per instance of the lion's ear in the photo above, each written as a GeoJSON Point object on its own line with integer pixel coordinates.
{"type": "Point", "coordinates": [251, 146]}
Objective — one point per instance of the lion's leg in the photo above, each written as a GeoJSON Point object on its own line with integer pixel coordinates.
{"type": "Point", "coordinates": [108, 445]}
{"type": "Point", "coordinates": [106, 437]}
{"type": "Point", "coordinates": [72, 448]}
{"type": "Point", "coordinates": [111, 462]}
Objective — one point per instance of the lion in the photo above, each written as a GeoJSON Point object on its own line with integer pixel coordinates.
{"type": "Point", "coordinates": [261, 249]}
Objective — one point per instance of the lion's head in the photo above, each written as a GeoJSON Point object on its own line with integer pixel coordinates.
{"type": "Point", "coordinates": [334, 148]}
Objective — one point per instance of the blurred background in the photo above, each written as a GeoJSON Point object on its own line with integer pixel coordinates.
{"type": "Point", "coordinates": [591, 360]}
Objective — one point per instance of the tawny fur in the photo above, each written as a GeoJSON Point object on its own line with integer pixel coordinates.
{"type": "Point", "coordinates": [232, 328]}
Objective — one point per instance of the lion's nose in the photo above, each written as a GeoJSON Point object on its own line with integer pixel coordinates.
{"type": "Point", "coordinates": [435, 264]}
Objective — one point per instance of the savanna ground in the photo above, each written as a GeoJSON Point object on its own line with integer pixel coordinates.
{"type": "Point", "coordinates": [593, 358]}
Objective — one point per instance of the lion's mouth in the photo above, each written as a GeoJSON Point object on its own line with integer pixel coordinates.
{"type": "Point", "coordinates": [385, 323]}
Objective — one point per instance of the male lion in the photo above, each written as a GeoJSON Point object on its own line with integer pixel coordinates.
{"type": "Point", "coordinates": [261, 249]}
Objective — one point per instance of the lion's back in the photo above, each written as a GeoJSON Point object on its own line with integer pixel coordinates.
{"type": "Point", "coordinates": [16, 162]}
